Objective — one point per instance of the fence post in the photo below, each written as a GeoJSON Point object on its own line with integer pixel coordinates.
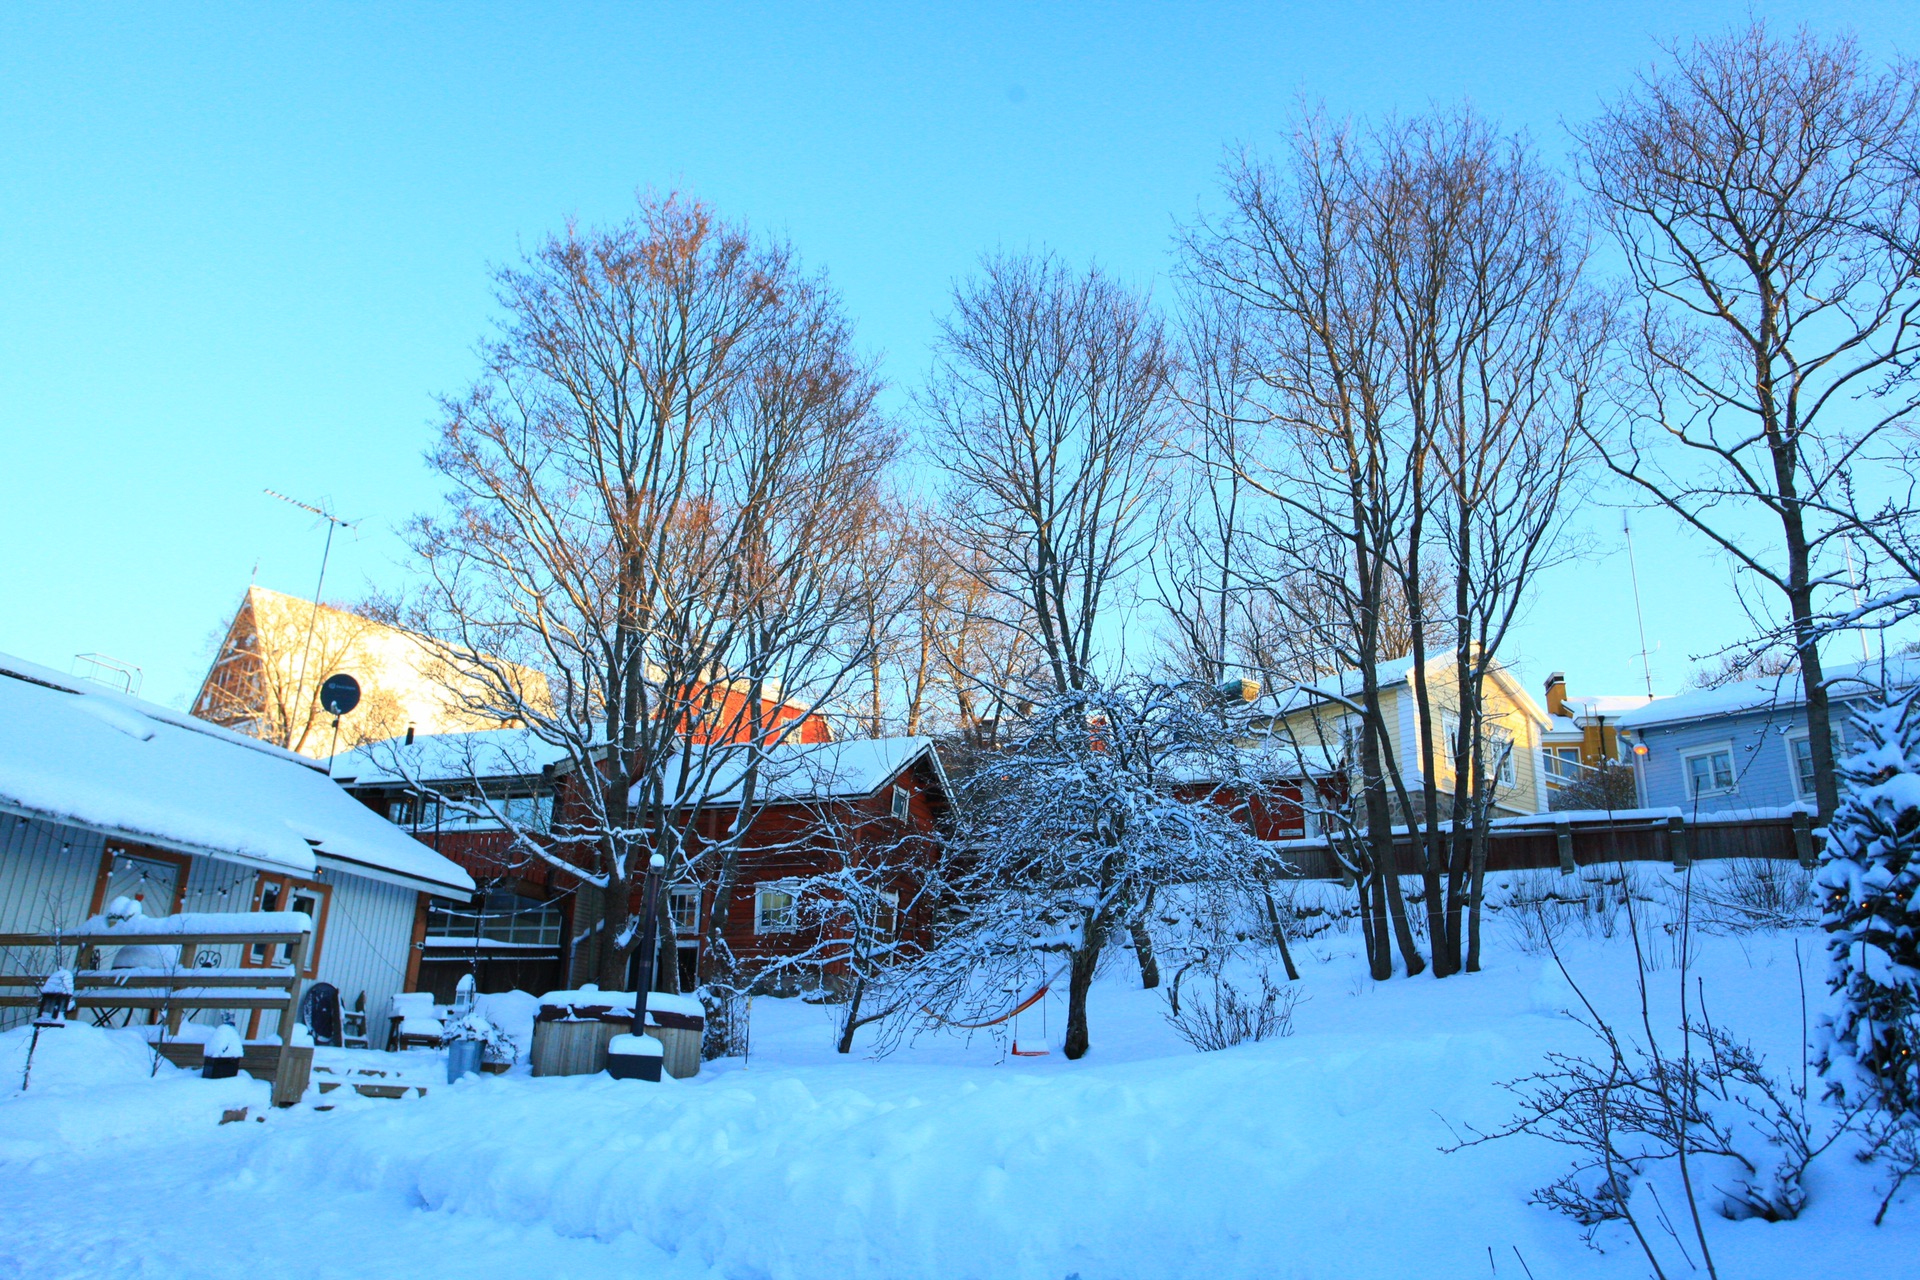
{"type": "Point", "coordinates": [1803, 837]}
{"type": "Point", "coordinates": [1563, 837]}
{"type": "Point", "coordinates": [1677, 842]}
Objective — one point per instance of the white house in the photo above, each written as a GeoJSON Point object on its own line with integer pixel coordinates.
{"type": "Point", "coordinates": [104, 796]}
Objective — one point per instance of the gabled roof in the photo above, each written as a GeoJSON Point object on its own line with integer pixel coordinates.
{"type": "Point", "coordinates": [1780, 692]}
{"type": "Point", "coordinates": [1399, 671]}
{"type": "Point", "coordinates": [805, 772]}
{"type": "Point", "coordinates": [448, 758]}
{"type": "Point", "coordinates": [76, 753]}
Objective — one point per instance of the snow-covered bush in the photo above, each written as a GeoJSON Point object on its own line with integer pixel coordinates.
{"type": "Point", "coordinates": [1871, 882]}
{"type": "Point", "coordinates": [494, 1042]}
{"type": "Point", "coordinates": [1743, 894]}
{"type": "Point", "coordinates": [1227, 1016]}
{"type": "Point", "coordinates": [1104, 798]}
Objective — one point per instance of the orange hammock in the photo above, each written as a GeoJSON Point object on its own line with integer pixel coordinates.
{"type": "Point", "coordinates": [1018, 1009]}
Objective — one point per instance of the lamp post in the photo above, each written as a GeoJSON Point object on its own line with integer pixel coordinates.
{"type": "Point", "coordinates": [649, 941]}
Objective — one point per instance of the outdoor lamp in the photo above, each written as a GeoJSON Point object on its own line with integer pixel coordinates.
{"type": "Point", "coordinates": [55, 994]}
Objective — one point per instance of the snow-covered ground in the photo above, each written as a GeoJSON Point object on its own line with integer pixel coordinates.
{"type": "Point", "coordinates": [1316, 1155]}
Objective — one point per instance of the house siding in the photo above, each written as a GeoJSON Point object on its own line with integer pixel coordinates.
{"type": "Point", "coordinates": [48, 873]}
{"type": "Point", "coordinates": [1761, 744]}
{"type": "Point", "coordinates": [1399, 709]}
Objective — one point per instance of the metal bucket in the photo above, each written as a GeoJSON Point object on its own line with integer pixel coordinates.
{"type": "Point", "coordinates": [463, 1059]}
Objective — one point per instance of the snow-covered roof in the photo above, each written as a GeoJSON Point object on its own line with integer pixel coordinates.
{"type": "Point", "coordinates": [1349, 684]}
{"type": "Point", "coordinates": [796, 772]}
{"type": "Point", "coordinates": [80, 754]}
{"type": "Point", "coordinates": [1770, 692]}
{"type": "Point", "coordinates": [448, 757]}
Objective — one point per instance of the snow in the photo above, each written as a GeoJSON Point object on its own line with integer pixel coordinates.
{"type": "Point", "coordinates": [75, 753]}
{"type": "Point", "coordinates": [797, 771]}
{"type": "Point", "coordinates": [685, 1006]}
{"type": "Point", "coordinates": [448, 757]}
{"type": "Point", "coordinates": [1310, 1157]}
{"type": "Point", "coordinates": [1768, 692]}
{"type": "Point", "coordinates": [637, 1046]}
{"type": "Point", "coordinates": [109, 928]}
{"type": "Point", "coordinates": [224, 1042]}
{"type": "Point", "coordinates": [588, 997]}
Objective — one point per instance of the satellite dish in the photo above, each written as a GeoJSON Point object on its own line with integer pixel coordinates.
{"type": "Point", "coordinates": [340, 694]}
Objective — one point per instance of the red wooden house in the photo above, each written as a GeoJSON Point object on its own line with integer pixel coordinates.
{"type": "Point", "coordinates": [820, 806]}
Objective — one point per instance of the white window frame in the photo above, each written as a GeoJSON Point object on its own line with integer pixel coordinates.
{"type": "Point", "coordinates": [1502, 742]}
{"type": "Point", "coordinates": [1793, 760]}
{"type": "Point", "coordinates": [1715, 749]}
{"type": "Point", "coordinates": [889, 913]}
{"type": "Point", "coordinates": [791, 888]}
{"type": "Point", "coordinates": [688, 925]}
{"type": "Point", "coordinates": [1561, 769]}
{"type": "Point", "coordinates": [902, 804]}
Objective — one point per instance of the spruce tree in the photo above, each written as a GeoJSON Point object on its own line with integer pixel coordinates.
{"type": "Point", "coordinates": [1870, 877]}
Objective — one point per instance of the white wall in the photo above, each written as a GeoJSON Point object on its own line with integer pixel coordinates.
{"type": "Point", "coordinates": [47, 877]}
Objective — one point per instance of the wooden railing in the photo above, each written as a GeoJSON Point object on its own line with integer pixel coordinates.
{"type": "Point", "coordinates": [174, 990]}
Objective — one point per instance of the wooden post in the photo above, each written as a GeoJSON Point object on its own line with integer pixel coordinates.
{"type": "Point", "coordinates": [290, 1075]}
{"type": "Point", "coordinates": [1803, 838]}
{"type": "Point", "coordinates": [1677, 842]}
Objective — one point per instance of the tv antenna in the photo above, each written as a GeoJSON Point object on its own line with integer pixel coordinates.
{"type": "Point", "coordinates": [1646, 663]}
{"type": "Point", "coordinates": [333, 522]}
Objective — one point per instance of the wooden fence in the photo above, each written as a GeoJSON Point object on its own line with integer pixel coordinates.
{"type": "Point", "coordinates": [1566, 843]}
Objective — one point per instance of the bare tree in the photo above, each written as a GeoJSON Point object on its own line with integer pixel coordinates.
{"type": "Point", "coordinates": [1293, 256]}
{"type": "Point", "coordinates": [1050, 407]}
{"type": "Point", "coordinates": [1764, 194]}
{"type": "Point", "coordinates": [654, 482]}
{"type": "Point", "coordinates": [1425, 357]}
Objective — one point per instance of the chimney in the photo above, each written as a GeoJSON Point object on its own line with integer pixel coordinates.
{"type": "Point", "coordinates": [1557, 694]}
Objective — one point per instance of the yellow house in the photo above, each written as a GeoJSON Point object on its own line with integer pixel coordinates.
{"type": "Point", "coordinates": [1315, 721]}
{"type": "Point", "coordinates": [265, 680]}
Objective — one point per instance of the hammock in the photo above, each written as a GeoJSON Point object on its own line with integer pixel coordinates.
{"type": "Point", "coordinates": [996, 1020]}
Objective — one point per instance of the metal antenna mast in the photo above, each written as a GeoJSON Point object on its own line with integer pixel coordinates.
{"type": "Point", "coordinates": [333, 522]}
{"type": "Point", "coordinates": [1633, 572]}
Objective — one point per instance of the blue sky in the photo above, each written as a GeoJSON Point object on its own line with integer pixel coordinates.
{"type": "Point", "coordinates": [244, 247]}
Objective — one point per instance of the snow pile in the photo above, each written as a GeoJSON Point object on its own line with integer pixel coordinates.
{"type": "Point", "coordinates": [513, 1012]}
{"type": "Point", "coordinates": [91, 1087]}
{"type": "Point", "coordinates": [1314, 1156]}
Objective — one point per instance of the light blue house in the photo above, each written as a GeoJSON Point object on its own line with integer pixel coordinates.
{"type": "Point", "coordinates": [1744, 746]}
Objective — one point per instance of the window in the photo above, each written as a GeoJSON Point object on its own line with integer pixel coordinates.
{"type": "Point", "coordinates": [1500, 749]}
{"type": "Point", "coordinates": [902, 804]}
{"type": "Point", "coordinates": [1709, 772]}
{"type": "Point", "coordinates": [1496, 748]}
{"type": "Point", "coordinates": [683, 904]}
{"type": "Point", "coordinates": [498, 919]}
{"type": "Point", "coordinates": [473, 813]}
{"type": "Point", "coordinates": [886, 918]}
{"type": "Point", "coordinates": [1563, 763]}
{"type": "Point", "coordinates": [156, 880]}
{"type": "Point", "coordinates": [1800, 751]}
{"type": "Point", "coordinates": [774, 908]}
{"type": "Point", "coordinates": [280, 893]}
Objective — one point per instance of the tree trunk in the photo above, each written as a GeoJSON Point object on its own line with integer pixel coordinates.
{"type": "Point", "coordinates": [1143, 951]}
{"type": "Point", "coordinates": [1478, 891]}
{"type": "Point", "coordinates": [852, 1023]}
{"type": "Point", "coordinates": [1086, 958]}
{"type": "Point", "coordinates": [1279, 938]}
